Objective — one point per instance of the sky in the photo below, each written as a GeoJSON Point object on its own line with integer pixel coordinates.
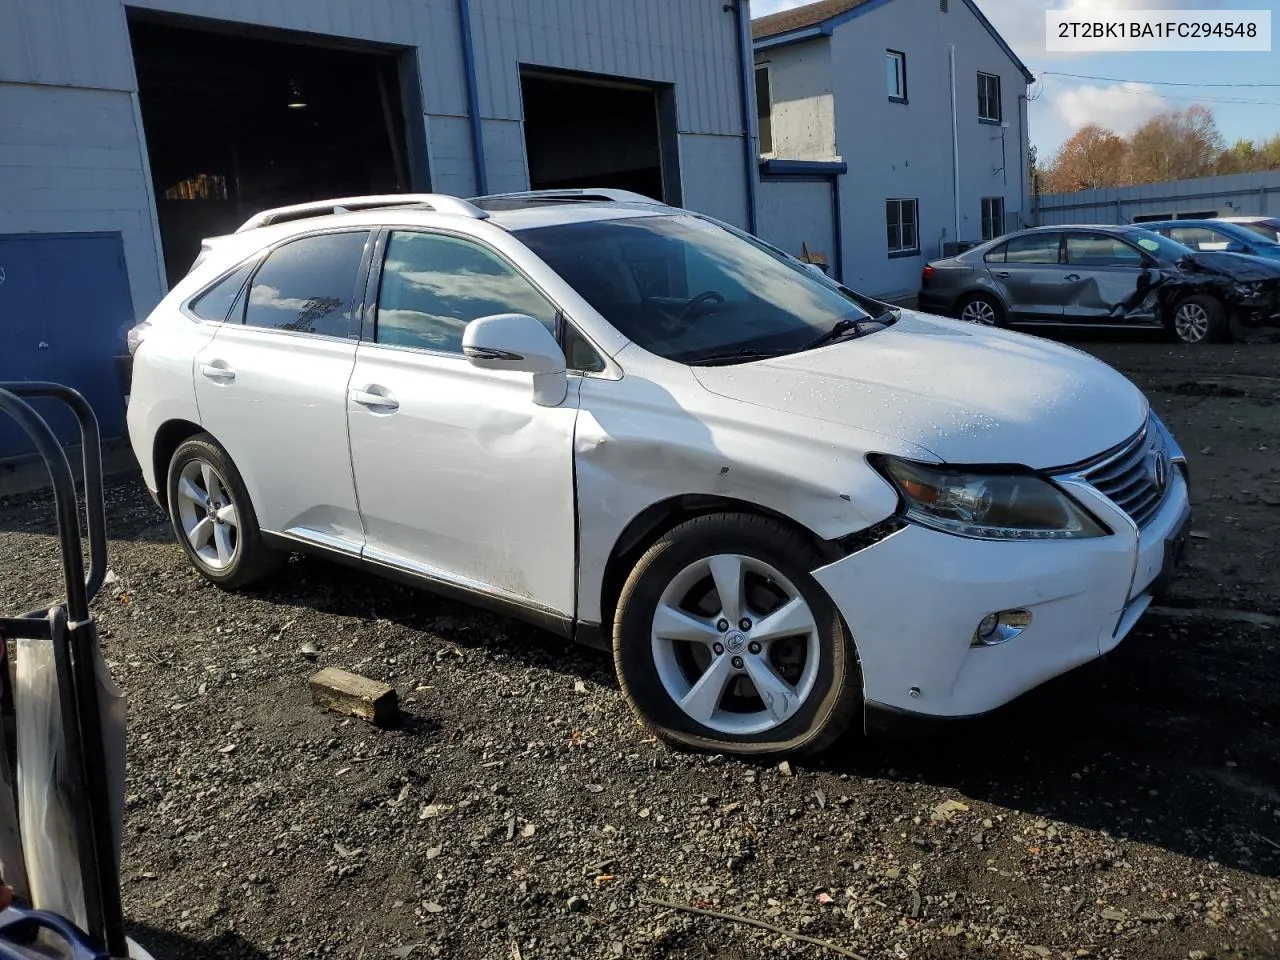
{"type": "Point", "coordinates": [1139, 85]}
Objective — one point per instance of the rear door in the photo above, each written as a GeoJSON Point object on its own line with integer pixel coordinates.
{"type": "Point", "coordinates": [272, 386]}
{"type": "Point", "coordinates": [1103, 279]}
{"type": "Point", "coordinates": [1028, 273]}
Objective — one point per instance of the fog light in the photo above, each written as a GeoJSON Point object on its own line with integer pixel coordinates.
{"type": "Point", "coordinates": [997, 628]}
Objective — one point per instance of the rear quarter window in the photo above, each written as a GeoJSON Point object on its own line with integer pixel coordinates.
{"type": "Point", "coordinates": [215, 303]}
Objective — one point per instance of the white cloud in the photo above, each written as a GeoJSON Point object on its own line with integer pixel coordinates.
{"type": "Point", "coordinates": [1122, 107]}
{"type": "Point", "coordinates": [763, 8]}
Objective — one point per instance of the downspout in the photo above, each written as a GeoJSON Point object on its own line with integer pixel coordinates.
{"type": "Point", "coordinates": [839, 227]}
{"type": "Point", "coordinates": [750, 136]}
{"type": "Point", "coordinates": [1024, 177]}
{"type": "Point", "coordinates": [473, 97]}
{"type": "Point", "coordinates": [955, 145]}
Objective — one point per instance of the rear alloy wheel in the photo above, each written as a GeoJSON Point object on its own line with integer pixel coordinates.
{"type": "Point", "coordinates": [724, 642]}
{"type": "Point", "coordinates": [982, 310]}
{"type": "Point", "coordinates": [1200, 319]}
{"type": "Point", "coordinates": [213, 518]}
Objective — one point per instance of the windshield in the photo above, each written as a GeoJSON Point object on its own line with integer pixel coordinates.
{"type": "Point", "coordinates": [1268, 229]}
{"type": "Point", "coordinates": [1157, 245]}
{"type": "Point", "coordinates": [689, 290]}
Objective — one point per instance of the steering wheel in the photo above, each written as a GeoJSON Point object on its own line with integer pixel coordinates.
{"type": "Point", "coordinates": [702, 299]}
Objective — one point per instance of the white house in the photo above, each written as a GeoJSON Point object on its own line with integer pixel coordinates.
{"type": "Point", "coordinates": [925, 106]}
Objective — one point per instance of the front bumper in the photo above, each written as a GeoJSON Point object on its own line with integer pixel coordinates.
{"type": "Point", "coordinates": [913, 601]}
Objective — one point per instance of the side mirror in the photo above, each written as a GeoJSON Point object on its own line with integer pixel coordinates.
{"type": "Point", "coordinates": [518, 342]}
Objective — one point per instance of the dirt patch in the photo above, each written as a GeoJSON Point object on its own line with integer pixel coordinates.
{"type": "Point", "coordinates": [1131, 809]}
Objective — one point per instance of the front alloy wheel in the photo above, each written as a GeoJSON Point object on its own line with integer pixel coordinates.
{"type": "Point", "coordinates": [735, 644]}
{"type": "Point", "coordinates": [724, 642]}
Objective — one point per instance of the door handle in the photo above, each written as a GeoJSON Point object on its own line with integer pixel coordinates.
{"type": "Point", "coordinates": [1003, 274]}
{"type": "Point", "coordinates": [215, 372]}
{"type": "Point", "coordinates": [367, 398]}
{"type": "Point", "coordinates": [1072, 276]}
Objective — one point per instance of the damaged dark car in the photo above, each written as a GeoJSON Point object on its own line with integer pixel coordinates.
{"type": "Point", "coordinates": [1106, 276]}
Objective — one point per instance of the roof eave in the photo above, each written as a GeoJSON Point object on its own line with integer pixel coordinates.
{"type": "Point", "coordinates": [995, 35]}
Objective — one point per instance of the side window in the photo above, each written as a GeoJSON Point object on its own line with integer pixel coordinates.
{"type": "Point", "coordinates": [307, 286]}
{"type": "Point", "coordinates": [1100, 250]}
{"type": "Point", "coordinates": [1033, 248]}
{"type": "Point", "coordinates": [996, 254]}
{"type": "Point", "coordinates": [434, 285]}
{"type": "Point", "coordinates": [1200, 238]}
{"type": "Point", "coordinates": [215, 303]}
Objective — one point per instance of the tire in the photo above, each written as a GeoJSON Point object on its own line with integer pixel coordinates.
{"type": "Point", "coordinates": [222, 541]}
{"type": "Point", "coordinates": [979, 306]}
{"type": "Point", "coordinates": [1200, 318]}
{"type": "Point", "coordinates": [821, 682]}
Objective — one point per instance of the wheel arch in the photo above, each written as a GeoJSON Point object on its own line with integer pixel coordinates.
{"type": "Point", "coordinates": [651, 523]}
{"type": "Point", "coordinates": [171, 435]}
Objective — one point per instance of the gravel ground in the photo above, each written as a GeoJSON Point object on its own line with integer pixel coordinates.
{"type": "Point", "coordinates": [1131, 809]}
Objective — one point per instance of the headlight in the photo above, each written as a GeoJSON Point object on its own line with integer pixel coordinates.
{"type": "Point", "coordinates": [988, 506]}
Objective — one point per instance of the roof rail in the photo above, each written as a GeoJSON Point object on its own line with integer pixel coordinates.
{"type": "Point", "coordinates": [585, 195]}
{"type": "Point", "coordinates": [436, 202]}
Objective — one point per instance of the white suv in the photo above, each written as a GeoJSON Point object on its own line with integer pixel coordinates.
{"type": "Point", "coordinates": [778, 502]}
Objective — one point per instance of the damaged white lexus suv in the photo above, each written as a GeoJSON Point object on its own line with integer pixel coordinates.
{"type": "Point", "coordinates": [788, 509]}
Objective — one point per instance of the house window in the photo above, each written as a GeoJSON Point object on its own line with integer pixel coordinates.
{"type": "Point", "coordinates": [989, 97]}
{"type": "Point", "coordinates": [764, 108]}
{"type": "Point", "coordinates": [895, 66]}
{"type": "Point", "coordinates": [901, 222]}
{"type": "Point", "coordinates": [992, 217]}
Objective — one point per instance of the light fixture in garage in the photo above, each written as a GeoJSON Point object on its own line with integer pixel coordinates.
{"type": "Point", "coordinates": [296, 101]}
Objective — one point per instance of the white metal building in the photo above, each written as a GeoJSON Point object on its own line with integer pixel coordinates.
{"type": "Point", "coordinates": [926, 107]}
{"type": "Point", "coordinates": [147, 117]}
{"type": "Point", "coordinates": [132, 129]}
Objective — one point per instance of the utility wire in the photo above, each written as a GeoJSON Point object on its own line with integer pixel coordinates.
{"type": "Point", "coordinates": [1170, 96]}
{"type": "Point", "coordinates": [1152, 83]}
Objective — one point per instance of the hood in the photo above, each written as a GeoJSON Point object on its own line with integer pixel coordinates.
{"type": "Point", "coordinates": [1238, 266]}
{"type": "Point", "coordinates": [968, 394]}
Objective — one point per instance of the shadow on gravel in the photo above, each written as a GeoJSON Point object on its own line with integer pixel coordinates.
{"type": "Point", "coordinates": [1170, 741]}
{"type": "Point", "coordinates": [165, 945]}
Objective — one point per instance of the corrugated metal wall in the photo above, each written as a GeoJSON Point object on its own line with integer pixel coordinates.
{"type": "Point", "coordinates": [1241, 194]}
{"type": "Point", "coordinates": [75, 55]}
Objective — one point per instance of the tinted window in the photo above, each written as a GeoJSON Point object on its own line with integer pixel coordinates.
{"type": "Point", "coordinates": [434, 285]}
{"type": "Point", "coordinates": [215, 303]}
{"type": "Point", "coordinates": [996, 254]}
{"type": "Point", "coordinates": [307, 286]}
{"type": "Point", "coordinates": [1033, 248]}
{"type": "Point", "coordinates": [689, 290]}
{"type": "Point", "coordinates": [1100, 250]}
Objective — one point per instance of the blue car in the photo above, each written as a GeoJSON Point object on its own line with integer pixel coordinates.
{"type": "Point", "coordinates": [1216, 235]}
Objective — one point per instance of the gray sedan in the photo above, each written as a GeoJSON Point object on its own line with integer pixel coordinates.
{"type": "Point", "coordinates": [1104, 276]}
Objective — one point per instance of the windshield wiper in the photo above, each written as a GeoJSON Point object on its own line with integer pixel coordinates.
{"type": "Point", "coordinates": [734, 356]}
{"type": "Point", "coordinates": [847, 325]}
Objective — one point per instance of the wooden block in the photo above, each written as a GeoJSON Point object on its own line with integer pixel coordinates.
{"type": "Point", "coordinates": [353, 695]}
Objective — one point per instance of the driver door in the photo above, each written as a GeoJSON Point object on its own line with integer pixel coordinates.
{"type": "Point", "coordinates": [461, 477]}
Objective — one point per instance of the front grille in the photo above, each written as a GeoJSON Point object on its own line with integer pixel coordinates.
{"type": "Point", "coordinates": [1128, 479]}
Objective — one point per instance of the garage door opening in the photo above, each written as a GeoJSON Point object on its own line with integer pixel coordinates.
{"type": "Point", "coordinates": [235, 124]}
{"type": "Point", "coordinates": [594, 132]}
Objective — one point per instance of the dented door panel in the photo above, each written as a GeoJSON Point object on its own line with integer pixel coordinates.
{"type": "Point", "coordinates": [638, 444]}
{"type": "Point", "coordinates": [462, 477]}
